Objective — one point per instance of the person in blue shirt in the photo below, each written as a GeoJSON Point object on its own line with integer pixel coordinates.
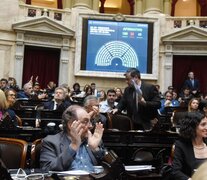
{"type": "Point", "coordinates": [168, 102]}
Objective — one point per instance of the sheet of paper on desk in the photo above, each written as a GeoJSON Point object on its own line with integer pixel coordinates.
{"type": "Point", "coordinates": [72, 172]}
{"type": "Point", "coordinates": [139, 168]}
{"type": "Point", "coordinates": [98, 169]}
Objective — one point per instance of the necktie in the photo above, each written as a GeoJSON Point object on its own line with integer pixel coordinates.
{"type": "Point", "coordinates": [138, 95]}
{"type": "Point", "coordinates": [137, 100]}
{"type": "Point", "coordinates": [192, 81]}
{"type": "Point", "coordinates": [139, 91]}
{"type": "Point", "coordinates": [55, 106]}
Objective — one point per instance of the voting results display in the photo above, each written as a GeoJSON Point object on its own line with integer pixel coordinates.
{"type": "Point", "coordinates": [114, 46]}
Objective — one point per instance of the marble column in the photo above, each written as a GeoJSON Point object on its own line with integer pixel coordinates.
{"type": "Point", "coordinates": [64, 58]}
{"type": "Point", "coordinates": [19, 57]}
{"type": "Point", "coordinates": [167, 7]}
{"type": "Point", "coordinates": [153, 7]}
{"type": "Point", "coordinates": [95, 5]}
{"type": "Point", "coordinates": [168, 66]}
{"type": "Point", "coordinates": [67, 4]}
{"type": "Point", "coordinates": [71, 65]}
{"type": "Point", "coordinates": [139, 7]}
{"type": "Point", "coordinates": [82, 3]}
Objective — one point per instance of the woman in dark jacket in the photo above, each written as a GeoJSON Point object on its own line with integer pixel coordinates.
{"type": "Point", "coordinates": [190, 150]}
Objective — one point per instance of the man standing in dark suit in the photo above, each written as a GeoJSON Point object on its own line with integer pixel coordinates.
{"type": "Point", "coordinates": [140, 99]}
{"type": "Point", "coordinates": [192, 84]}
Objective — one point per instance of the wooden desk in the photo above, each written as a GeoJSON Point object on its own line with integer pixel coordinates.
{"type": "Point", "coordinates": [29, 117]}
{"type": "Point", "coordinates": [28, 134]}
{"type": "Point", "coordinates": [124, 144]}
{"type": "Point", "coordinates": [149, 176]}
{"type": "Point", "coordinates": [128, 176]}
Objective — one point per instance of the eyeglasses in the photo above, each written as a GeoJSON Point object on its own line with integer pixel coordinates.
{"type": "Point", "coordinates": [86, 123]}
{"type": "Point", "coordinates": [12, 95]}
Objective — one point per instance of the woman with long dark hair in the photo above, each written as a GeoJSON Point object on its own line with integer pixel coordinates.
{"type": "Point", "coordinates": [190, 149]}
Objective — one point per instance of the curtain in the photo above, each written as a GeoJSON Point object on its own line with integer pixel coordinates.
{"type": "Point", "coordinates": [173, 7]}
{"type": "Point", "coordinates": [131, 3]}
{"type": "Point", "coordinates": [41, 62]}
{"type": "Point", "coordinates": [203, 4]}
{"type": "Point", "coordinates": [184, 64]}
{"type": "Point", "coordinates": [59, 4]}
{"type": "Point", "coordinates": [28, 1]}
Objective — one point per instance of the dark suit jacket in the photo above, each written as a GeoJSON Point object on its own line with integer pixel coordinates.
{"type": "Point", "coordinates": [189, 84]}
{"type": "Point", "coordinates": [145, 112]}
{"type": "Point", "coordinates": [57, 155]}
{"type": "Point", "coordinates": [184, 161]}
{"type": "Point", "coordinates": [62, 107]}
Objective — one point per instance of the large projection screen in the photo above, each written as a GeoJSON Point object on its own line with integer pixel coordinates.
{"type": "Point", "coordinates": [111, 47]}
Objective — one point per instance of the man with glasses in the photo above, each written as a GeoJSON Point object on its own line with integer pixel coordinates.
{"type": "Point", "coordinates": [75, 148]}
{"type": "Point", "coordinates": [91, 105]}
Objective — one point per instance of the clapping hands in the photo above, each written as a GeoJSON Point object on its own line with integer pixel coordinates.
{"type": "Point", "coordinates": [95, 138]}
{"type": "Point", "coordinates": [75, 133]}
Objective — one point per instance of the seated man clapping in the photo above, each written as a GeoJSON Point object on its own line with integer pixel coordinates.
{"type": "Point", "coordinates": [76, 148]}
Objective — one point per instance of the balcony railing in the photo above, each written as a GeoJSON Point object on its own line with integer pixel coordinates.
{"type": "Point", "coordinates": [174, 23]}
{"type": "Point", "coordinates": [29, 11]}
{"type": "Point", "coordinates": [62, 16]}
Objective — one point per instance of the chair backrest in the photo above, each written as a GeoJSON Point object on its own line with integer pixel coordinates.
{"type": "Point", "coordinates": [19, 121]}
{"type": "Point", "coordinates": [171, 154]}
{"type": "Point", "coordinates": [142, 155]}
{"type": "Point", "coordinates": [177, 117]}
{"type": "Point", "coordinates": [147, 156]}
{"type": "Point", "coordinates": [39, 107]}
{"type": "Point", "coordinates": [13, 152]}
{"type": "Point", "coordinates": [35, 153]}
{"type": "Point", "coordinates": [120, 122]}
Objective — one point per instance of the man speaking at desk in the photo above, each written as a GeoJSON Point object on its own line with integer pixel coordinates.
{"type": "Point", "coordinates": [76, 148]}
{"type": "Point", "coordinates": [140, 99]}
